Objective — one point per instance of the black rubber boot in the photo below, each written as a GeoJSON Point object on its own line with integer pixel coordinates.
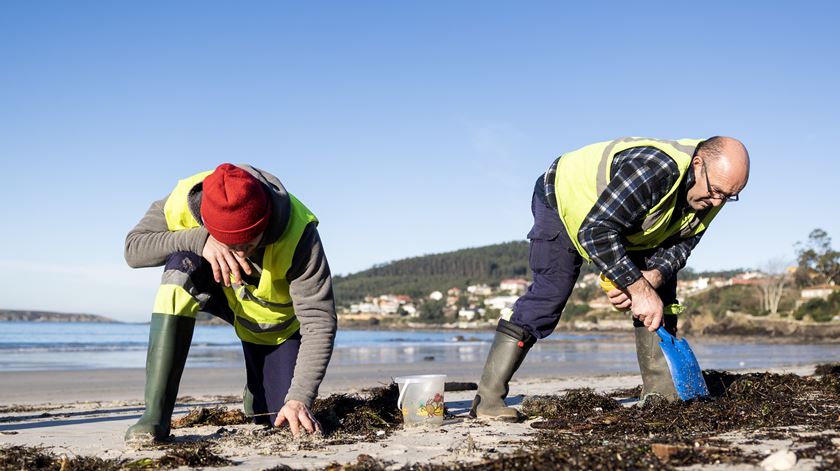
{"type": "Point", "coordinates": [169, 343]}
{"type": "Point", "coordinates": [510, 346]}
{"type": "Point", "coordinates": [656, 377]}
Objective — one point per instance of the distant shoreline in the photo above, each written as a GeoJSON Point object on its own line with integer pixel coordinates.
{"type": "Point", "coordinates": [744, 328]}
{"type": "Point", "coordinates": [11, 315]}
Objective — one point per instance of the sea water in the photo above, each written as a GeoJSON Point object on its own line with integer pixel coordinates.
{"type": "Point", "coordinates": [31, 346]}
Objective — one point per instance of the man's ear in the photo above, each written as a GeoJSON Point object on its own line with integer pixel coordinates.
{"type": "Point", "coordinates": [696, 161]}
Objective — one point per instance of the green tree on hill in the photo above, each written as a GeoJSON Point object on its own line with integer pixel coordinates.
{"type": "Point", "coordinates": [818, 262]}
{"type": "Point", "coordinates": [820, 310]}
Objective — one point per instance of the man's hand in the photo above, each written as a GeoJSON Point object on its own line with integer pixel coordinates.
{"type": "Point", "coordinates": [297, 414]}
{"type": "Point", "coordinates": [646, 304]}
{"type": "Point", "coordinates": [619, 299]}
{"type": "Point", "coordinates": [224, 261]}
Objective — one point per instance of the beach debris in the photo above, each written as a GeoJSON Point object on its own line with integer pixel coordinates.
{"type": "Point", "coordinates": [193, 455]}
{"type": "Point", "coordinates": [762, 405]}
{"type": "Point", "coordinates": [16, 408]}
{"type": "Point", "coordinates": [635, 391]}
{"type": "Point", "coordinates": [454, 386]}
{"type": "Point", "coordinates": [664, 451]}
{"type": "Point", "coordinates": [827, 369]}
{"type": "Point", "coordinates": [364, 462]}
{"type": "Point", "coordinates": [361, 415]}
{"type": "Point", "coordinates": [581, 403]}
{"type": "Point", "coordinates": [779, 461]}
{"type": "Point", "coordinates": [14, 458]}
{"type": "Point", "coordinates": [218, 416]}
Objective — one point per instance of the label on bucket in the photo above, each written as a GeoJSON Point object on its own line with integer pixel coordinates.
{"type": "Point", "coordinates": [432, 408]}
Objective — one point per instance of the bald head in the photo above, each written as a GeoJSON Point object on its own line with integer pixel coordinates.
{"type": "Point", "coordinates": [726, 165]}
{"type": "Point", "coordinates": [730, 157]}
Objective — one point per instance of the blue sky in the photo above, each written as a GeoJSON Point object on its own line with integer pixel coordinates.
{"type": "Point", "coordinates": [408, 127]}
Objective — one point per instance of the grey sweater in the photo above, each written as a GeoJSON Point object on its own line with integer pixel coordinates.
{"type": "Point", "coordinates": [310, 282]}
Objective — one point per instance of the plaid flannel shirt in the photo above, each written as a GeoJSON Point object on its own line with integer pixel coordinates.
{"type": "Point", "coordinates": [639, 178]}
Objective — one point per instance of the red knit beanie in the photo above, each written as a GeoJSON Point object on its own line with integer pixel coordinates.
{"type": "Point", "coordinates": [234, 206]}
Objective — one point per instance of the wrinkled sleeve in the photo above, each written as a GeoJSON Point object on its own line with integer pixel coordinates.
{"type": "Point", "coordinates": [641, 178]}
{"type": "Point", "coordinates": [670, 259]}
{"type": "Point", "coordinates": [312, 296]}
{"type": "Point", "coordinates": [150, 241]}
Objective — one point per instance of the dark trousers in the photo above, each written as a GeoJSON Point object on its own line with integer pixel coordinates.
{"type": "Point", "coordinates": [269, 368]}
{"type": "Point", "coordinates": [555, 266]}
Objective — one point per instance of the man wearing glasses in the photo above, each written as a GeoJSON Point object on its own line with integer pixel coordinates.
{"type": "Point", "coordinates": [635, 207]}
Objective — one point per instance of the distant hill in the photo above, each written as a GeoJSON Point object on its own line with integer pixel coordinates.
{"type": "Point", "coordinates": [46, 316]}
{"type": "Point", "coordinates": [419, 276]}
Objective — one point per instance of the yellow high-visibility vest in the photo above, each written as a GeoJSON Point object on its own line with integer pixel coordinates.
{"type": "Point", "coordinates": [582, 176]}
{"type": "Point", "coordinates": [264, 314]}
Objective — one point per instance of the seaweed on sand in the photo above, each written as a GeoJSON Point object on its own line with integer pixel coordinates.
{"type": "Point", "coordinates": [15, 458]}
{"type": "Point", "coordinates": [745, 402]}
{"type": "Point", "coordinates": [580, 403]}
{"type": "Point", "coordinates": [219, 416]}
{"type": "Point", "coordinates": [583, 423]}
{"type": "Point", "coordinates": [192, 455]}
{"type": "Point", "coordinates": [354, 414]}
{"type": "Point", "coordinates": [827, 369]}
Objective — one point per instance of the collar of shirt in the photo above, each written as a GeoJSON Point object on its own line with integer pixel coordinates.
{"type": "Point", "coordinates": [688, 182]}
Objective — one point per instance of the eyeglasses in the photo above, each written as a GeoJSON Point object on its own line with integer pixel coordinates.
{"type": "Point", "coordinates": [713, 193]}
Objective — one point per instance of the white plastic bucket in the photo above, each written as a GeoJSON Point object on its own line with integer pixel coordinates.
{"type": "Point", "coordinates": [421, 399]}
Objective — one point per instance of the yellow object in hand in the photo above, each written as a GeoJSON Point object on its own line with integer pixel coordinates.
{"type": "Point", "coordinates": [607, 285]}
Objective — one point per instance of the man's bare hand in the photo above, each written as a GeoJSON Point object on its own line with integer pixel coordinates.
{"type": "Point", "coordinates": [646, 304]}
{"type": "Point", "coordinates": [619, 299]}
{"type": "Point", "coordinates": [297, 414]}
{"type": "Point", "coordinates": [226, 263]}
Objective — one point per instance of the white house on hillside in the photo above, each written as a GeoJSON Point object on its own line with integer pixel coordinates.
{"type": "Point", "coordinates": [514, 285]}
{"type": "Point", "coordinates": [818, 292]}
{"type": "Point", "coordinates": [500, 302]}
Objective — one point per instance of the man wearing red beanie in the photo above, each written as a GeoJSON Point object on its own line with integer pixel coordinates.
{"type": "Point", "coordinates": [236, 245]}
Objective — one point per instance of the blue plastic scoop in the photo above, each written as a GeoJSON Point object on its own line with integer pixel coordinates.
{"type": "Point", "coordinates": [686, 372]}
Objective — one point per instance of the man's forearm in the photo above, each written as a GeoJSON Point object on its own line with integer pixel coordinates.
{"type": "Point", "coordinates": [150, 241]}
{"type": "Point", "coordinates": [312, 295]}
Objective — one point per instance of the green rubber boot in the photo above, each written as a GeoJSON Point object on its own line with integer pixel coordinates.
{"type": "Point", "coordinates": [248, 402]}
{"type": "Point", "coordinates": [169, 343]}
{"type": "Point", "coordinates": [656, 377]}
{"type": "Point", "coordinates": [509, 348]}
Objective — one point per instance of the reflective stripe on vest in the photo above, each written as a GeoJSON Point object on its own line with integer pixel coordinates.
{"type": "Point", "coordinates": [263, 314]}
{"type": "Point", "coordinates": [583, 175]}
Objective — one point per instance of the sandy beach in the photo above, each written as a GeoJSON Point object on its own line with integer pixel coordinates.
{"type": "Point", "coordinates": [85, 413]}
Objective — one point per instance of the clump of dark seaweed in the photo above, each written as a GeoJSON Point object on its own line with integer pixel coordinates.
{"type": "Point", "coordinates": [359, 414]}
{"type": "Point", "coordinates": [581, 403]}
{"type": "Point", "coordinates": [827, 369]}
{"type": "Point", "coordinates": [626, 392]}
{"type": "Point", "coordinates": [192, 455]}
{"type": "Point", "coordinates": [15, 458]}
{"type": "Point", "coordinates": [219, 416]}
{"type": "Point", "coordinates": [363, 463]}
